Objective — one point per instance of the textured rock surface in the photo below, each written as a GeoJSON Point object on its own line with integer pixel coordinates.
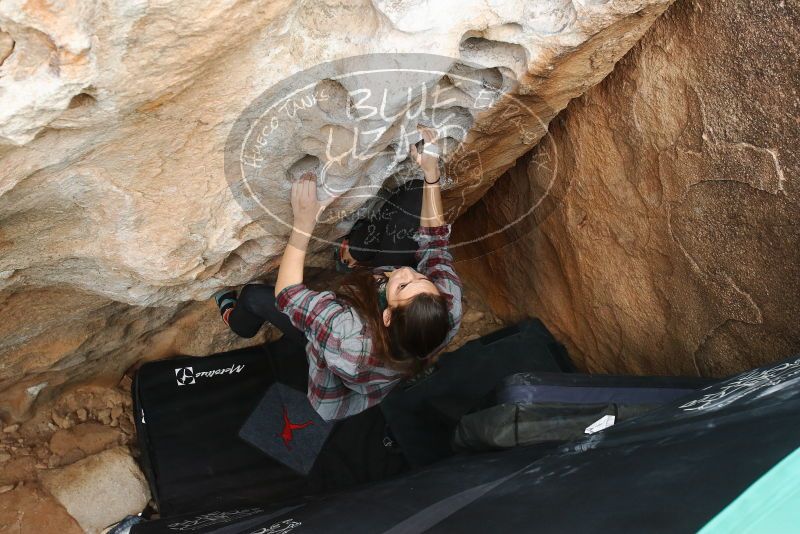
{"type": "Point", "coordinates": [29, 510]}
{"type": "Point", "coordinates": [88, 438]}
{"type": "Point", "coordinates": [85, 421]}
{"type": "Point", "coordinates": [115, 214]}
{"type": "Point", "coordinates": [670, 241]}
{"type": "Point", "coordinates": [99, 490]}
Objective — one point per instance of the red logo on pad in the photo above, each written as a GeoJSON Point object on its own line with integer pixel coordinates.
{"type": "Point", "coordinates": [288, 428]}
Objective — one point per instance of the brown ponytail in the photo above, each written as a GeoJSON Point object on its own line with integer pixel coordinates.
{"type": "Point", "coordinates": [416, 329]}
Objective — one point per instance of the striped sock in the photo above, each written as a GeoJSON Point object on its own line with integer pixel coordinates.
{"type": "Point", "coordinates": [227, 313]}
{"type": "Point", "coordinates": [226, 300]}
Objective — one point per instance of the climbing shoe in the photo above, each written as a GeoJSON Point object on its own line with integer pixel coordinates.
{"type": "Point", "coordinates": [341, 265]}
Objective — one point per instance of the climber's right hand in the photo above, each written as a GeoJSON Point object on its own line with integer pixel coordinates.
{"type": "Point", "coordinates": [428, 163]}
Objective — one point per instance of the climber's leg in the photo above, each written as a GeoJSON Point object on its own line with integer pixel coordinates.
{"type": "Point", "coordinates": [365, 236]}
{"type": "Point", "coordinates": [402, 211]}
{"type": "Point", "coordinates": [385, 237]}
{"type": "Point", "coordinates": [255, 306]}
{"type": "Point", "coordinates": [226, 299]}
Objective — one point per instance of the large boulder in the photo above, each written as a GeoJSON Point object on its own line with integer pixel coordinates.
{"type": "Point", "coordinates": [99, 490]}
{"type": "Point", "coordinates": [117, 221]}
{"type": "Point", "coordinates": [666, 236]}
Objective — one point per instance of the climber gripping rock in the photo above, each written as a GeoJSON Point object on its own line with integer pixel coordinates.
{"type": "Point", "coordinates": [385, 323]}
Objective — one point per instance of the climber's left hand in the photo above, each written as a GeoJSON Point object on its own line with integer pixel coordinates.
{"type": "Point", "coordinates": [305, 205]}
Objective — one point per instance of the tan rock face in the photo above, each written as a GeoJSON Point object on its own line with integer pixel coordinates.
{"type": "Point", "coordinates": [117, 221]}
{"type": "Point", "coordinates": [17, 469]}
{"type": "Point", "coordinates": [89, 438]}
{"type": "Point", "coordinates": [29, 510]}
{"type": "Point", "coordinates": [669, 240]}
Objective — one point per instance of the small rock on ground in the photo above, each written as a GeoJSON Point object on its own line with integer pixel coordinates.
{"type": "Point", "coordinates": [100, 489]}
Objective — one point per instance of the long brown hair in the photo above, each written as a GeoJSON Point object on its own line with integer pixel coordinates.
{"type": "Point", "coordinates": [415, 330]}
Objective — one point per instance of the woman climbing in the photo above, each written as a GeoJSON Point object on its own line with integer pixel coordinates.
{"type": "Point", "coordinates": [384, 325]}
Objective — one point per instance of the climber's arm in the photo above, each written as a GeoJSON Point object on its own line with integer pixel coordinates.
{"type": "Point", "coordinates": [432, 213]}
{"type": "Point", "coordinates": [306, 208]}
{"type": "Point", "coordinates": [290, 271]}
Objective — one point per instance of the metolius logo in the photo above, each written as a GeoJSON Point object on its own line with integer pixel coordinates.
{"type": "Point", "coordinates": [186, 375]}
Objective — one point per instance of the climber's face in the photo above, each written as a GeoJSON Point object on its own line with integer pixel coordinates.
{"type": "Point", "coordinates": [404, 284]}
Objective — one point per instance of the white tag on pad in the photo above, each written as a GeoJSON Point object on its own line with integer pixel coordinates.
{"type": "Point", "coordinates": [604, 422]}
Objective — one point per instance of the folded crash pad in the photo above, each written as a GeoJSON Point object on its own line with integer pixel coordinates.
{"type": "Point", "coordinates": [705, 462]}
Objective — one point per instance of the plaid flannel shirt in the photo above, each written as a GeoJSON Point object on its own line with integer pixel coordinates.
{"type": "Point", "coordinates": [344, 378]}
